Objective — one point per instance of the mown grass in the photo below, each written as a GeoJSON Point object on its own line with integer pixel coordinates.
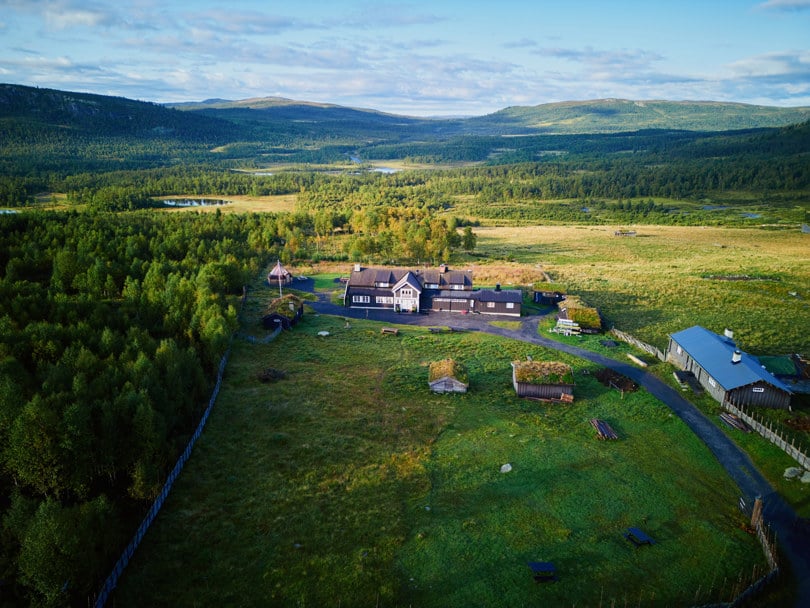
{"type": "Point", "coordinates": [350, 484]}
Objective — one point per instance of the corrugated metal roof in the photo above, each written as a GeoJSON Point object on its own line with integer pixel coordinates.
{"type": "Point", "coordinates": [713, 353]}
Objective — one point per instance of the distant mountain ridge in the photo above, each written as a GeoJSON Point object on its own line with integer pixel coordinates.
{"type": "Point", "coordinates": [218, 116]}
{"type": "Point", "coordinates": [568, 117]}
{"type": "Point", "coordinates": [616, 115]}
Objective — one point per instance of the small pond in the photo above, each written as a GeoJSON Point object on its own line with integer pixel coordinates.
{"type": "Point", "coordinates": [195, 202]}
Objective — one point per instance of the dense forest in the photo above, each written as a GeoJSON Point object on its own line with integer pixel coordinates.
{"type": "Point", "coordinates": [113, 316]}
{"type": "Point", "coordinates": [112, 327]}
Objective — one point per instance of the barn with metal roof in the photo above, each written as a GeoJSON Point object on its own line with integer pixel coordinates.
{"type": "Point", "coordinates": [726, 372]}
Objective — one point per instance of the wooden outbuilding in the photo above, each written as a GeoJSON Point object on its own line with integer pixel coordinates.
{"type": "Point", "coordinates": [546, 380]}
{"type": "Point", "coordinates": [725, 372]}
{"type": "Point", "coordinates": [447, 376]}
{"type": "Point", "coordinates": [286, 311]}
{"type": "Point", "coordinates": [279, 275]}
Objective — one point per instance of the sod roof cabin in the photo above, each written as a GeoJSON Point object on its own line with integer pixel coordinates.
{"type": "Point", "coordinates": [547, 380]}
{"type": "Point", "coordinates": [574, 309]}
{"type": "Point", "coordinates": [448, 376]}
{"type": "Point", "coordinates": [285, 311]}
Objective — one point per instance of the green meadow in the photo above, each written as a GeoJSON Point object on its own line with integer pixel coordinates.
{"type": "Point", "coordinates": [348, 483]}
{"type": "Point", "coordinates": [667, 278]}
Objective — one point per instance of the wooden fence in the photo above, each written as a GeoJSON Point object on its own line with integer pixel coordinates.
{"type": "Point", "coordinates": [745, 596]}
{"type": "Point", "coordinates": [625, 337]}
{"type": "Point", "coordinates": [123, 561]}
{"type": "Point", "coordinates": [775, 436]}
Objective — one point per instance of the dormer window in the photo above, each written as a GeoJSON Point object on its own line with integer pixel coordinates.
{"type": "Point", "coordinates": [382, 284]}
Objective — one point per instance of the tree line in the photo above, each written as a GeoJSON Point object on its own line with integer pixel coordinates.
{"type": "Point", "coordinates": [111, 328]}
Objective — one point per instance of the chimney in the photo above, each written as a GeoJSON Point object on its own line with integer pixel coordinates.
{"type": "Point", "coordinates": [736, 357]}
{"type": "Point", "coordinates": [443, 268]}
{"type": "Point", "coordinates": [497, 286]}
{"type": "Point", "coordinates": [728, 334]}
{"type": "Point", "coordinates": [357, 268]}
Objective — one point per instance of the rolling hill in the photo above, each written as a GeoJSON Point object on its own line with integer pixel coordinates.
{"type": "Point", "coordinates": [572, 117]}
{"type": "Point", "coordinates": [621, 115]}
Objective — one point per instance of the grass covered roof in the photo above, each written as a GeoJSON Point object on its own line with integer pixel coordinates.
{"type": "Point", "coordinates": [543, 372]}
{"type": "Point", "coordinates": [282, 307]}
{"type": "Point", "coordinates": [445, 368]}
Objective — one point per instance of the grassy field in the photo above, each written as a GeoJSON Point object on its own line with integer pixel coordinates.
{"type": "Point", "coordinates": [349, 484]}
{"type": "Point", "coordinates": [754, 281]}
{"type": "Point", "coordinates": [769, 459]}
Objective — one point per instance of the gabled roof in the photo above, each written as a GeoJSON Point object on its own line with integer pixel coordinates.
{"type": "Point", "coordinates": [447, 277]}
{"type": "Point", "coordinates": [713, 353]}
{"type": "Point", "coordinates": [370, 277]}
{"type": "Point", "coordinates": [498, 295]}
{"type": "Point", "coordinates": [410, 280]}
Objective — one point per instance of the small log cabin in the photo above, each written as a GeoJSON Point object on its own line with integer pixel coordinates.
{"type": "Point", "coordinates": [447, 376]}
{"type": "Point", "coordinates": [550, 380]}
{"type": "Point", "coordinates": [727, 373]}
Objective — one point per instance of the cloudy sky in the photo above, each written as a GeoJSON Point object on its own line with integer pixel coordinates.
{"type": "Point", "coordinates": [418, 57]}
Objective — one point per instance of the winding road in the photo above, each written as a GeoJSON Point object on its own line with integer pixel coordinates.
{"type": "Point", "coordinates": [794, 540]}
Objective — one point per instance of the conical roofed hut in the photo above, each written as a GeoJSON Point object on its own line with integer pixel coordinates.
{"type": "Point", "coordinates": [279, 275]}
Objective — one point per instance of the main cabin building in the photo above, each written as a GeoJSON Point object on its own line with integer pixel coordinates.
{"type": "Point", "coordinates": [727, 373]}
{"type": "Point", "coordinates": [442, 289]}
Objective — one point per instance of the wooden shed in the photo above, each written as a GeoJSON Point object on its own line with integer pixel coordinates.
{"type": "Point", "coordinates": [548, 380]}
{"type": "Point", "coordinates": [447, 376]}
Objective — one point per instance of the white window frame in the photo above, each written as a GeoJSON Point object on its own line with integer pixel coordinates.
{"type": "Point", "coordinates": [712, 382]}
{"type": "Point", "coordinates": [758, 389]}
{"type": "Point", "coordinates": [385, 300]}
{"type": "Point", "coordinates": [361, 299]}
{"type": "Point", "coordinates": [490, 304]}
{"type": "Point", "coordinates": [510, 304]}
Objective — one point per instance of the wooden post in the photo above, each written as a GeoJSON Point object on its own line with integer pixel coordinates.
{"type": "Point", "coordinates": [756, 512]}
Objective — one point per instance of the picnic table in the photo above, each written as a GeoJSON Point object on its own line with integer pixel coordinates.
{"type": "Point", "coordinates": [638, 537]}
{"type": "Point", "coordinates": [544, 572]}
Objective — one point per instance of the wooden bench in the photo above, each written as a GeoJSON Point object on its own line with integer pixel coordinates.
{"type": "Point", "coordinates": [638, 537]}
{"type": "Point", "coordinates": [389, 330]}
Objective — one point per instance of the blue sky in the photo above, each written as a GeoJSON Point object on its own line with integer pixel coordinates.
{"type": "Point", "coordinates": [437, 57]}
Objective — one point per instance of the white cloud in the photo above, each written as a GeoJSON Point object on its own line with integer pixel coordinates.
{"type": "Point", "coordinates": [786, 5]}
{"type": "Point", "coordinates": [66, 15]}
